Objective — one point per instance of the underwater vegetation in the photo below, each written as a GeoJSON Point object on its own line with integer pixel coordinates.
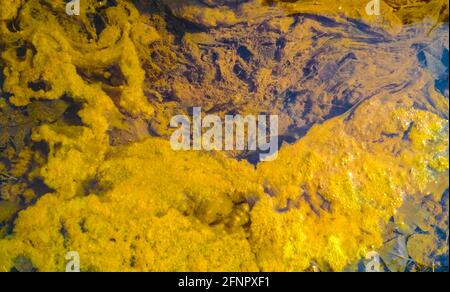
{"type": "Point", "coordinates": [86, 164]}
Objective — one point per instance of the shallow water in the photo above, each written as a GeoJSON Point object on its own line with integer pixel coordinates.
{"type": "Point", "coordinates": [85, 164]}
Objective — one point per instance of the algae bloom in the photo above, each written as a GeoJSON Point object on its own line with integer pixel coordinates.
{"type": "Point", "coordinates": [86, 163]}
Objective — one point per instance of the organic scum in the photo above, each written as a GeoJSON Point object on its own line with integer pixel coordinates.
{"type": "Point", "coordinates": [86, 166]}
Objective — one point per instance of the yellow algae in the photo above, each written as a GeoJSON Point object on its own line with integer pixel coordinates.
{"type": "Point", "coordinates": [421, 248]}
{"type": "Point", "coordinates": [9, 9]}
{"type": "Point", "coordinates": [332, 191]}
{"type": "Point", "coordinates": [80, 105]}
{"type": "Point", "coordinates": [192, 11]}
{"type": "Point", "coordinates": [393, 13]}
{"type": "Point", "coordinates": [324, 206]}
{"type": "Point", "coordinates": [76, 147]}
{"type": "Point", "coordinates": [416, 10]}
{"type": "Point", "coordinates": [440, 164]}
{"type": "Point", "coordinates": [58, 63]}
{"type": "Point", "coordinates": [57, 55]}
{"type": "Point", "coordinates": [168, 216]}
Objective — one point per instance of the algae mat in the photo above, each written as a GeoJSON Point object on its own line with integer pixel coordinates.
{"type": "Point", "coordinates": [86, 165]}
